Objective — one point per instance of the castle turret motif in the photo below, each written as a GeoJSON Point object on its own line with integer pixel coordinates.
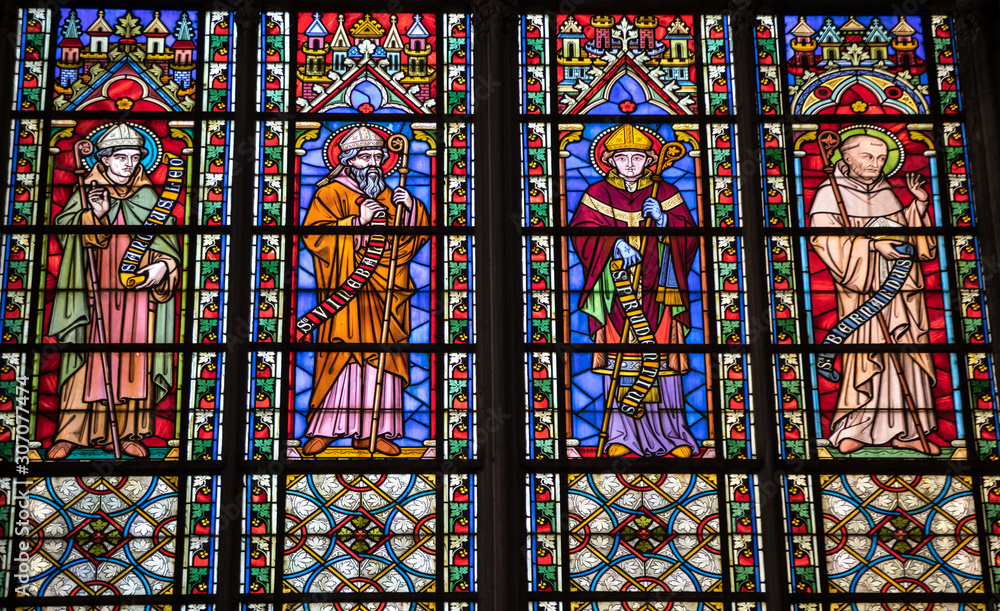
{"type": "Point", "coordinates": [393, 45]}
{"type": "Point", "coordinates": [853, 64]}
{"type": "Point", "coordinates": [830, 39]}
{"type": "Point", "coordinates": [316, 51]}
{"type": "Point", "coordinates": [69, 62]}
{"type": "Point", "coordinates": [417, 72]}
{"type": "Point", "coordinates": [905, 45]}
{"type": "Point", "coordinates": [643, 55]}
{"type": "Point", "coordinates": [877, 39]}
{"type": "Point", "coordinates": [156, 38]}
{"type": "Point", "coordinates": [803, 46]}
{"type": "Point", "coordinates": [602, 42]}
{"type": "Point", "coordinates": [852, 31]}
{"type": "Point", "coordinates": [126, 60]}
{"type": "Point", "coordinates": [340, 44]}
{"type": "Point", "coordinates": [182, 65]}
{"type": "Point", "coordinates": [370, 62]}
{"type": "Point", "coordinates": [97, 50]}
{"type": "Point", "coordinates": [570, 55]}
{"type": "Point", "coordinates": [678, 57]}
{"type": "Point", "coordinates": [647, 33]}
{"type": "Point", "coordinates": [853, 44]}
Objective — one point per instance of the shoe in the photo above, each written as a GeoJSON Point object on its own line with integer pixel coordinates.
{"type": "Point", "coordinates": [617, 449]}
{"type": "Point", "coordinates": [135, 449]}
{"type": "Point", "coordinates": [382, 446]}
{"type": "Point", "coordinates": [315, 445]}
{"type": "Point", "coordinates": [59, 450]}
{"type": "Point", "coordinates": [682, 452]}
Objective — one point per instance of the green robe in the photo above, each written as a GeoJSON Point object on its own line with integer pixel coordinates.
{"type": "Point", "coordinates": [72, 314]}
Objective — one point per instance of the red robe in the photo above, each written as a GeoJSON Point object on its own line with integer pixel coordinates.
{"type": "Point", "coordinates": [609, 205]}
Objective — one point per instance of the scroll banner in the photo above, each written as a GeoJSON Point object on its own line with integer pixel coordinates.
{"type": "Point", "coordinates": [629, 404]}
{"type": "Point", "coordinates": [868, 310]}
{"type": "Point", "coordinates": [157, 217]}
{"type": "Point", "coordinates": [349, 289]}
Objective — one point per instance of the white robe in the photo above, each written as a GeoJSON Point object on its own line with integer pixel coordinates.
{"type": "Point", "coordinates": [870, 405]}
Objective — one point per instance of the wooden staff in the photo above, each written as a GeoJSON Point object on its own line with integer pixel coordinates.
{"type": "Point", "coordinates": [397, 143]}
{"type": "Point", "coordinates": [669, 154]}
{"type": "Point", "coordinates": [829, 140]}
{"type": "Point", "coordinates": [80, 150]}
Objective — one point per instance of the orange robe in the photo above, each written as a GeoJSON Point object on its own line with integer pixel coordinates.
{"type": "Point", "coordinates": [360, 321]}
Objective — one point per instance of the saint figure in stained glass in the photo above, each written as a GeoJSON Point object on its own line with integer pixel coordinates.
{"type": "Point", "coordinates": [365, 289]}
{"type": "Point", "coordinates": [635, 291]}
{"type": "Point", "coordinates": [130, 284]}
{"type": "Point", "coordinates": [884, 398]}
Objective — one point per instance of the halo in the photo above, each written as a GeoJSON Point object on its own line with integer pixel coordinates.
{"type": "Point", "coordinates": [331, 149]}
{"type": "Point", "coordinates": [894, 158]}
{"type": "Point", "coordinates": [597, 147]}
{"type": "Point", "coordinates": [151, 142]}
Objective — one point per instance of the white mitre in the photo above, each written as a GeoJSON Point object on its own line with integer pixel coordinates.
{"type": "Point", "coordinates": [361, 137]}
{"type": "Point", "coordinates": [120, 135]}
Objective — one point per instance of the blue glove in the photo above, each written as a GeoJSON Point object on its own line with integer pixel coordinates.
{"type": "Point", "coordinates": [626, 253]}
{"type": "Point", "coordinates": [651, 209]}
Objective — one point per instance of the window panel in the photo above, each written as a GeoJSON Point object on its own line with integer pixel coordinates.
{"type": "Point", "coordinates": [98, 536]}
{"type": "Point", "coordinates": [654, 476]}
{"type": "Point", "coordinates": [886, 534]}
{"type": "Point", "coordinates": [877, 356]}
{"type": "Point", "coordinates": [632, 240]}
{"type": "Point", "coordinates": [363, 310]}
{"type": "Point", "coordinates": [130, 312]}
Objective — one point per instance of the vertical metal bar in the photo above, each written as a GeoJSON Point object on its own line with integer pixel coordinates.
{"type": "Point", "coordinates": [758, 312]}
{"type": "Point", "coordinates": [240, 267]}
{"type": "Point", "coordinates": [500, 432]}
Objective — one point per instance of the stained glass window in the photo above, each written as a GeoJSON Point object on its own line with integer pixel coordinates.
{"type": "Point", "coordinates": [364, 331]}
{"type": "Point", "coordinates": [458, 306]}
{"type": "Point", "coordinates": [634, 286]}
{"type": "Point", "coordinates": [877, 308]}
{"type": "Point", "coordinates": [124, 340]}
{"type": "Point", "coordinates": [116, 256]}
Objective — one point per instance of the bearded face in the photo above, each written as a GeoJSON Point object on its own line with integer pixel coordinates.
{"type": "Point", "coordinates": [366, 170]}
{"type": "Point", "coordinates": [370, 180]}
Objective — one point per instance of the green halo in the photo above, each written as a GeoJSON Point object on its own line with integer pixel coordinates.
{"type": "Point", "coordinates": [895, 156]}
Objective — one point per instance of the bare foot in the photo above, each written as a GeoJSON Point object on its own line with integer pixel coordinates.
{"type": "Point", "coordinates": [135, 449]}
{"type": "Point", "coordinates": [59, 450]}
{"type": "Point", "coordinates": [915, 444]}
{"type": "Point", "coordinates": [849, 445]}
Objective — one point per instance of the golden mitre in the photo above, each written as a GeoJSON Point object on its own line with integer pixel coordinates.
{"type": "Point", "coordinates": [628, 138]}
